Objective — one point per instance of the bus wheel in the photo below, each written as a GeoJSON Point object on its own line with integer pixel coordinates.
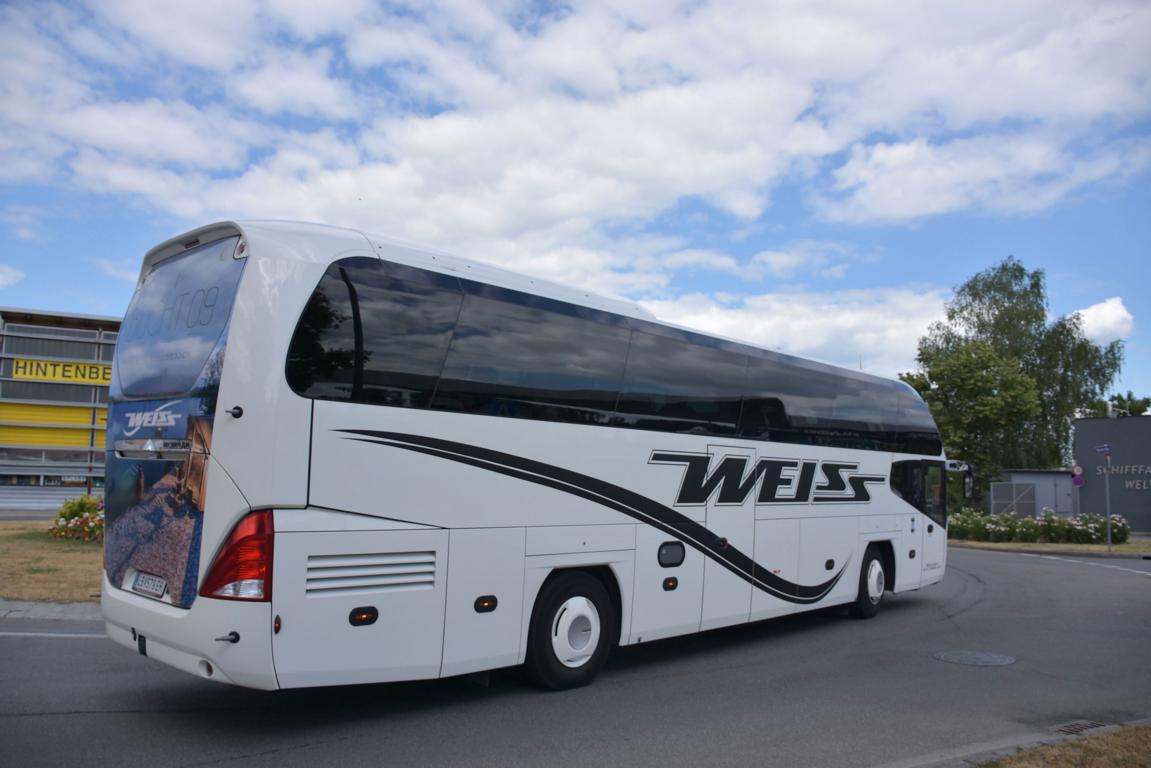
{"type": "Point", "coordinates": [573, 623]}
{"type": "Point", "coordinates": [872, 582]}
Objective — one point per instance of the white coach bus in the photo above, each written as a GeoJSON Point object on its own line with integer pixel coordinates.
{"type": "Point", "coordinates": [337, 459]}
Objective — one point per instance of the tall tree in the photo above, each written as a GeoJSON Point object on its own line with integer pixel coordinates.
{"type": "Point", "coordinates": [1004, 309]}
{"type": "Point", "coordinates": [980, 400]}
{"type": "Point", "coordinates": [1131, 405]}
{"type": "Point", "coordinates": [1121, 405]}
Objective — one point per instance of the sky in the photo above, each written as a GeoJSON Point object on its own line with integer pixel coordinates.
{"type": "Point", "coordinates": [813, 177]}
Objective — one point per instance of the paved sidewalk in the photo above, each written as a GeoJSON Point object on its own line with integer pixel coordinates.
{"type": "Point", "coordinates": [1143, 555]}
{"type": "Point", "coordinates": [17, 609]}
{"type": "Point", "coordinates": [24, 515]}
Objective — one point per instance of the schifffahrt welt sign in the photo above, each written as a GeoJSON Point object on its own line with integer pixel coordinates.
{"type": "Point", "coordinates": [1130, 472]}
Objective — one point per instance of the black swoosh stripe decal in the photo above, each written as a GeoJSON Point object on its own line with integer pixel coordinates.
{"type": "Point", "coordinates": [612, 496]}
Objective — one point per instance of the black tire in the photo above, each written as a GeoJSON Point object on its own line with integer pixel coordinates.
{"type": "Point", "coordinates": [866, 603]}
{"type": "Point", "coordinates": [568, 608]}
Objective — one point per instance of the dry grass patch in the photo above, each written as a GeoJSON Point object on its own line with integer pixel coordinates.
{"type": "Point", "coordinates": [1125, 748]}
{"type": "Point", "coordinates": [35, 566]}
{"type": "Point", "coordinates": [1133, 547]}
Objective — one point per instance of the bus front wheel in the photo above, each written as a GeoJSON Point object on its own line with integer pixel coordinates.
{"type": "Point", "coordinates": [571, 631]}
{"type": "Point", "coordinates": [872, 582]}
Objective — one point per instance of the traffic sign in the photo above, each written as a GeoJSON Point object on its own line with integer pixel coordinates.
{"type": "Point", "coordinates": [1105, 448]}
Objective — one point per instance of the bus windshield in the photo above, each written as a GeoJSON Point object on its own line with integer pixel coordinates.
{"type": "Point", "coordinates": [175, 321]}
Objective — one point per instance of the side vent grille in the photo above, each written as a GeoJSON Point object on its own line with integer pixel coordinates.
{"type": "Point", "coordinates": [383, 572]}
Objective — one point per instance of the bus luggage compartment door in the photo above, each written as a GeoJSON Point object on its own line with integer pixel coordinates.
{"type": "Point", "coordinates": [726, 595]}
{"type": "Point", "coordinates": [358, 606]}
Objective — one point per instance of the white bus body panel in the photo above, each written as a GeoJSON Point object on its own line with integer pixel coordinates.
{"type": "Point", "coordinates": [483, 562]}
{"type": "Point", "coordinates": [777, 551]}
{"type": "Point", "coordinates": [352, 474]}
{"type": "Point", "coordinates": [934, 551]}
{"type": "Point", "coordinates": [266, 450]}
{"type": "Point", "coordinates": [827, 544]}
{"type": "Point", "coordinates": [321, 577]}
{"type": "Point", "coordinates": [659, 613]}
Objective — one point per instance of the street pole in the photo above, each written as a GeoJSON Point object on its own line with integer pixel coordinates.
{"type": "Point", "coordinates": [1107, 499]}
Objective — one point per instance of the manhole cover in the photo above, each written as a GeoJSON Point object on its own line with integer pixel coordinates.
{"type": "Point", "coordinates": [974, 658]}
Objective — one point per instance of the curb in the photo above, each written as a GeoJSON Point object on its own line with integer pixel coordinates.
{"type": "Point", "coordinates": [1056, 552]}
{"type": "Point", "coordinates": [21, 609]}
{"type": "Point", "coordinates": [979, 754]}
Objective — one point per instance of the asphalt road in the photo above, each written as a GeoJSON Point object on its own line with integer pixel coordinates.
{"type": "Point", "coordinates": [815, 690]}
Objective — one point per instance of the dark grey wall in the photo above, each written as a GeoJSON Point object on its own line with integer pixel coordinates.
{"type": "Point", "coordinates": [1130, 440]}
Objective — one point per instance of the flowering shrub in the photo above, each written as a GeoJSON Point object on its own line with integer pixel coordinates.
{"type": "Point", "coordinates": [81, 518]}
{"type": "Point", "coordinates": [973, 525]}
{"type": "Point", "coordinates": [1028, 530]}
{"type": "Point", "coordinates": [1120, 529]}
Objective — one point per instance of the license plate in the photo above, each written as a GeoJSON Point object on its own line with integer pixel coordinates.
{"type": "Point", "coordinates": [147, 584]}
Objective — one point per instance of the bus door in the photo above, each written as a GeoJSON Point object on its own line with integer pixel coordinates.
{"type": "Point", "coordinates": [935, 526]}
{"type": "Point", "coordinates": [920, 486]}
{"type": "Point", "coordinates": [731, 521]}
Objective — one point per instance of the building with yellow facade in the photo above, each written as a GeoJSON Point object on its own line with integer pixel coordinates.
{"type": "Point", "coordinates": [54, 375]}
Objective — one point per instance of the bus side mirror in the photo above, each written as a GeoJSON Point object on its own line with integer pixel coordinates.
{"type": "Point", "coordinates": [968, 473]}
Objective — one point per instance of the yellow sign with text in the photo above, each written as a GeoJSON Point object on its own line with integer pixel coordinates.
{"type": "Point", "coordinates": [70, 373]}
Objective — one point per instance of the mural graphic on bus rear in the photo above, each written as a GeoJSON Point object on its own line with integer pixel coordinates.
{"type": "Point", "coordinates": [154, 508]}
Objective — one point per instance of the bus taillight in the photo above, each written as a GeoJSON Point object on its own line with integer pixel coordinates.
{"type": "Point", "coordinates": [243, 568]}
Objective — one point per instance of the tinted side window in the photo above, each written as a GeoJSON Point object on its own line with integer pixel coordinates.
{"type": "Point", "coordinates": [523, 356]}
{"type": "Point", "coordinates": [798, 401]}
{"type": "Point", "coordinates": [374, 332]}
{"type": "Point", "coordinates": [674, 385]}
{"type": "Point", "coordinates": [923, 485]}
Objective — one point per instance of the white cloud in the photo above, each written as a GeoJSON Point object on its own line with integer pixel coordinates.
{"type": "Point", "coordinates": [213, 34]}
{"type": "Point", "coordinates": [817, 257]}
{"type": "Point", "coordinates": [878, 328]}
{"type": "Point", "coordinates": [295, 83]}
{"type": "Point", "coordinates": [23, 220]}
{"type": "Point", "coordinates": [156, 131]}
{"type": "Point", "coordinates": [699, 258]}
{"type": "Point", "coordinates": [1009, 173]}
{"type": "Point", "coordinates": [1107, 321]}
{"type": "Point", "coordinates": [122, 269]}
{"type": "Point", "coordinates": [532, 137]}
{"type": "Point", "coordinates": [9, 276]}
{"type": "Point", "coordinates": [780, 263]}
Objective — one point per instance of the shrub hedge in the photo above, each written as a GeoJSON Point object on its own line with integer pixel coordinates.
{"type": "Point", "coordinates": [974, 525]}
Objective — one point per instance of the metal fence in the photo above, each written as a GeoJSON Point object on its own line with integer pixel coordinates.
{"type": "Point", "coordinates": [1013, 499]}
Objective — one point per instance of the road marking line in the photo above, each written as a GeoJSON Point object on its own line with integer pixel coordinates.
{"type": "Point", "coordinates": [54, 634]}
{"type": "Point", "coordinates": [1097, 565]}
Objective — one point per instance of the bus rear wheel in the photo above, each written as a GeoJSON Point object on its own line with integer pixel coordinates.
{"type": "Point", "coordinates": [571, 632]}
{"type": "Point", "coordinates": [872, 583]}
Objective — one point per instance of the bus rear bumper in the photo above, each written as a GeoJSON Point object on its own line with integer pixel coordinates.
{"type": "Point", "coordinates": [193, 640]}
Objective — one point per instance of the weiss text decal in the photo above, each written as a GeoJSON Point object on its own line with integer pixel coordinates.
{"type": "Point", "coordinates": [776, 481]}
{"type": "Point", "coordinates": [160, 417]}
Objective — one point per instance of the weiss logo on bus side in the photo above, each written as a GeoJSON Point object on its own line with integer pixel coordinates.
{"type": "Point", "coordinates": [161, 418]}
{"type": "Point", "coordinates": [777, 481]}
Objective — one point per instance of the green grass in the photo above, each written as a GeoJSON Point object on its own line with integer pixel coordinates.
{"type": "Point", "coordinates": [36, 566]}
{"type": "Point", "coordinates": [1128, 747]}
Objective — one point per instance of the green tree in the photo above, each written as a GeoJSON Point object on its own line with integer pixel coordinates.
{"type": "Point", "coordinates": [1131, 405]}
{"type": "Point", "coordinates": [1004, 309]}
{"type": "Point", "coordinates": [980, 400]}
{"type": "Point", "coordinates": [1121, 405]}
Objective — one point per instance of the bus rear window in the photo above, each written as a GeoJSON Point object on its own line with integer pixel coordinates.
{"type": "Point", "coordinates": [175, 321]}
